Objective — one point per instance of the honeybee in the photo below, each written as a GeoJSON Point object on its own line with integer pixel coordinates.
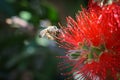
{"type": "Point", "coordinates": [105, 2]}
{"type": "Point", "coordinates": [49, 32]}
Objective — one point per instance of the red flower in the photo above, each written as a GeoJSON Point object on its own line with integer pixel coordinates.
{"type": "Point", "coordinates": [93, 42]}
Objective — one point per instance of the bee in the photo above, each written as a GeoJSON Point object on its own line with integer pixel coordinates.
{"type": "Point", "coordinates": [105, 2]}
{"type": "Point", "coordinates": [49, 32]}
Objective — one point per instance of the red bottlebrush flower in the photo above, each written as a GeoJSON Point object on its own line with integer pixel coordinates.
{"type": "Point", "coordinates": [93, 42]}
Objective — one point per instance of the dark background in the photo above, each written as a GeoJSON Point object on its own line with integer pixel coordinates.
{"type": "Point", "coordinates": [23, 55]}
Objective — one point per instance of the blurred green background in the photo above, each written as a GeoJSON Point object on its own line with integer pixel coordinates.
{"type": "Point", "coordinates": [23, 55]}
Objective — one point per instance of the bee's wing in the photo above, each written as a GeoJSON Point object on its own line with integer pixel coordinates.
{"type": "Point", "coordinates": [42, 33]}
